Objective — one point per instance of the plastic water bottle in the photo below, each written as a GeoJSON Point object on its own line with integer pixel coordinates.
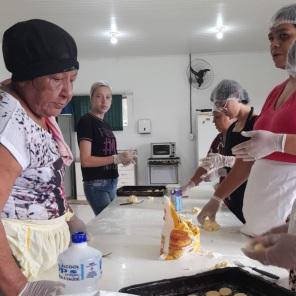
{"type": "Point", "coordinates": [80, 266]}
{"type": "Point", "coordinates": [178, 200]}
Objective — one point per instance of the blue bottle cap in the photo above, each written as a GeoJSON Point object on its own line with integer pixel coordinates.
{"type": "Point", "coordinates": [78, 237]}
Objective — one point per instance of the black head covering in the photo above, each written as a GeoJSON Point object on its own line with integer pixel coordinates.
{"type": "Point", "coordinates": [36, 48]}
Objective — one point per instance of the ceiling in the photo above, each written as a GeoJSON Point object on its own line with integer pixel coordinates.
{"type": "Point", "coordinates": [151, 27]}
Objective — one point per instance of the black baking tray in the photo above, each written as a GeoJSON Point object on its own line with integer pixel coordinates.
{"type": "Point", "coordinates": [235, 278]}
{"type": "Point", "coordinates": [141, 190]}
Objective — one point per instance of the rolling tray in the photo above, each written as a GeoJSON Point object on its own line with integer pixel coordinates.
{"type": "Point", "coordinates": [141, 190]}
{"type": "Point", "coordinates": [237, 279]}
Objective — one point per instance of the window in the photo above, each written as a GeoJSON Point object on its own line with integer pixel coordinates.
{"type": "Point", "coordinates": [80, 105]}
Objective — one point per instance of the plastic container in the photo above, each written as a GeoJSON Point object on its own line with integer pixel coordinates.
{"type": "Point", "coordinates": [176, 198]}
{"type": "Point", "coordinates": [80, 266]}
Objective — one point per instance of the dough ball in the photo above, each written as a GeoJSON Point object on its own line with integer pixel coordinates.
{"type": "Point", "coordinates": [225, 291]}
{"type": "Point", "coordinates": [132, 199]}
{"type": "Point", "coordinates": [222, 264]}
{"type": "Point", "coordinates": [212, 293]}
{"type": "Point", "coordinates": [195, 210]}
{"type": "Point", "coordinates": [259, 247]}
{"type": "Point", "coordinates": [210, 225]}
{"type": "Point", "coordinates": [240, 294]}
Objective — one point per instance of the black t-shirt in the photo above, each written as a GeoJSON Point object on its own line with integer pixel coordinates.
{"type": "Point", "coordinates": [103, 143]}
{"type": "Point", "coordinates": [235, 202]}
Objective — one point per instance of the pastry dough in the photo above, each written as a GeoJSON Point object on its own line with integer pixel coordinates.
{"type": "Point", "coordinates": [195, 210]}
{"type": "Point", "coordinates": [259, 247]}
{"type": "Point", "coordinates": [212, 293]}
{"type": "Point", "coordinates": [132, 199]}
{"type": "Point", "coordinates": [221, 264]}
{"type": "Point", "coordinates": [210, 225]}
{"type": "Point", "coordinates": [225, 291]}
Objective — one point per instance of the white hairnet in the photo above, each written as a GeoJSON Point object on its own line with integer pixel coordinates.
{"type": "Point", "coordinates": [98, 84]}
{"type": "Point", "coordinates": [286, 14]}
{"type": "Point", "coordinates": [291, 60]}
{"type": "Point", "coordinates": [229, 89]}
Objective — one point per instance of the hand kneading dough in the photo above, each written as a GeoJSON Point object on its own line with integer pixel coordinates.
{"type": "Point", "coordinates": [225, 291]}
{"type": "Point", "coordinates": [132, 199]}
{"type": "Point", "coordinates": [240, 294]}
{"type": "Point", "coordinates": [212, 293]}
{"type": "Point", "coordinates": [210, 225]}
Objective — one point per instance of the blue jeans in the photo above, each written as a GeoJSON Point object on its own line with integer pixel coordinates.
{"type": "Point", "coordinates": [100, 193]}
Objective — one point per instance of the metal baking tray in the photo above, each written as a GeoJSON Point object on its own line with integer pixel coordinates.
{"type": "Point", "coordinates": [237, 279]}
{"type": "Point", "coordinates": [141, 190]}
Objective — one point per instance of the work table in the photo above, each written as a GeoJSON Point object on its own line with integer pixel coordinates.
{"type": "Point", "coordinates": [132, 234]}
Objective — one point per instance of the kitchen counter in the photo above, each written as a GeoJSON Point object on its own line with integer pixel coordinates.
{"type": "Point", "coordinates": [132, 234]}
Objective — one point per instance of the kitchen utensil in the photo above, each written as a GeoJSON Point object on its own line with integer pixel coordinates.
{"type": "Point", "coordinates": [131, 203]}
{"type": "Point", "coordinates": [271, 275]}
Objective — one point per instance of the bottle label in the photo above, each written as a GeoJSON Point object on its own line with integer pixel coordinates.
{"type": "Point", "coordinates": [86, 269]}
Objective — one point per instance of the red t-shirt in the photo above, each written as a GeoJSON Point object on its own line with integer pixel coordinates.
{"type": "Point", "coordinates": [281, 120]}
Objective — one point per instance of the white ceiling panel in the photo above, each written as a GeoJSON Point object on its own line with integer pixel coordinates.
{"type": "Point", "coordinates": [151, 27]}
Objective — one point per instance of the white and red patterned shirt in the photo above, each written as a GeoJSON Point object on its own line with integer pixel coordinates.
{"type": "Point", "coordinates": [38, 192]}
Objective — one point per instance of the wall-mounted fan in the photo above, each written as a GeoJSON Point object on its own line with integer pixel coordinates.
{"type": "Point", "coordinates": [200, 73]}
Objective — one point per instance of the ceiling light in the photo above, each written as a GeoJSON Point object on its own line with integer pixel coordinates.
{"type": "Point", "coordinates": [220, 33]}
{"type": "Point", "coordinates": [219, 27]}
{"type": "Point", "coordinates": [113, 38]}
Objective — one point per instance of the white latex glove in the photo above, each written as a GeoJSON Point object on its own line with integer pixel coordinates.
{"type": "Point", "coordinates": [77, 225]}
{"type": "Point", "coordinates": [125, 158]}
{"type": "Point", "coordinates": [279, 229]}
{"type": "Point", "coordinates": [42, 288]}
{"type": "Point", "coordinates": [279, 250]}
{"type": "Point", "coordinates": [261, 144]}
{"type": "Point", "coordinates": [187, 187]}
{"type": "Point", "coordinates": [209, 210]}
{"type": "Point", "coordinates": [215, 161]}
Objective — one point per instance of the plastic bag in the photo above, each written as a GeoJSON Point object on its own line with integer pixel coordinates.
{"type": "Point", "coordinates": [179, 236]}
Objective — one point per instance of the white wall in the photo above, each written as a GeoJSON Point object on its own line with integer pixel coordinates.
{"type": "Point", "coordinates": [158, 89]}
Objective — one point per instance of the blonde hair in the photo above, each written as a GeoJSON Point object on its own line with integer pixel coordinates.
{"type": "Point", "coordinates": [97, 85]}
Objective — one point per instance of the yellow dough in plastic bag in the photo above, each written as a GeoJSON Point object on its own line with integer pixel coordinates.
{"type": "Point", "coordinates": [179, 236]}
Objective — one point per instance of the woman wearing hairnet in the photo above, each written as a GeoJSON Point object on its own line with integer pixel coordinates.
{"type": "Point", "coordinates": [35, 216]}
{"type": "Point", "coordinates": [271, 189]}
{"type": "Point", "coordinates": [231, 99]}
{"type": "Point", "coordinates": [279, 244]}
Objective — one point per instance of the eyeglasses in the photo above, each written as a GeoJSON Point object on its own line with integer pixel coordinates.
{"type": "Point", "coordinates": [220, 106]}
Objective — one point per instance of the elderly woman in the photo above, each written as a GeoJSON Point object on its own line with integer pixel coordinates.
{"type": "Point", "coordinates": [35, 215]}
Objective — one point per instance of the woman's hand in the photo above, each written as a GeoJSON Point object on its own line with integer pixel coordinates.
{"type": "Point", "coordinates": [44, 288]}
{"type": "Point", "coordinates": [279, 250]}
{"type": "Point", "coordinates": [209, 210]}
{"type": "Point", "coordinates": [261, 144]}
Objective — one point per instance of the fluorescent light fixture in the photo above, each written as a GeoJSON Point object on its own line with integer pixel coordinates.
{"type": "Point", "coordinates": [219, 27]}
{"type": "Point", "coordinates": [114, 38]}
{"type": "Point", "coordinates": [220, 35]}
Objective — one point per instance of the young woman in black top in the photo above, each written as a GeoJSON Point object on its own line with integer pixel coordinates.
{"type": "Point", "coordinates": [98, 150]}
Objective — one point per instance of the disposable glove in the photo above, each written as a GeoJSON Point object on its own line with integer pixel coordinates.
{"type": "Point", "coordinates": [125, 158]}
{"type": "Point", "coordinates": [279, 229]}
{"type": "Point", "coordinates": [42, 288]}
{"type": "Point", "coordinates": [280, 250]}
{"type": "Point", "coordinates": [261, 144]}
{"type": "Point", "coordinates": [215, 161]}
{"type": "Point", "coordinates": [187, 187]}
{"type": "Point", "coordinates": [76, 225]}
{"type": "Point", "coordinates": [209, 210]}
